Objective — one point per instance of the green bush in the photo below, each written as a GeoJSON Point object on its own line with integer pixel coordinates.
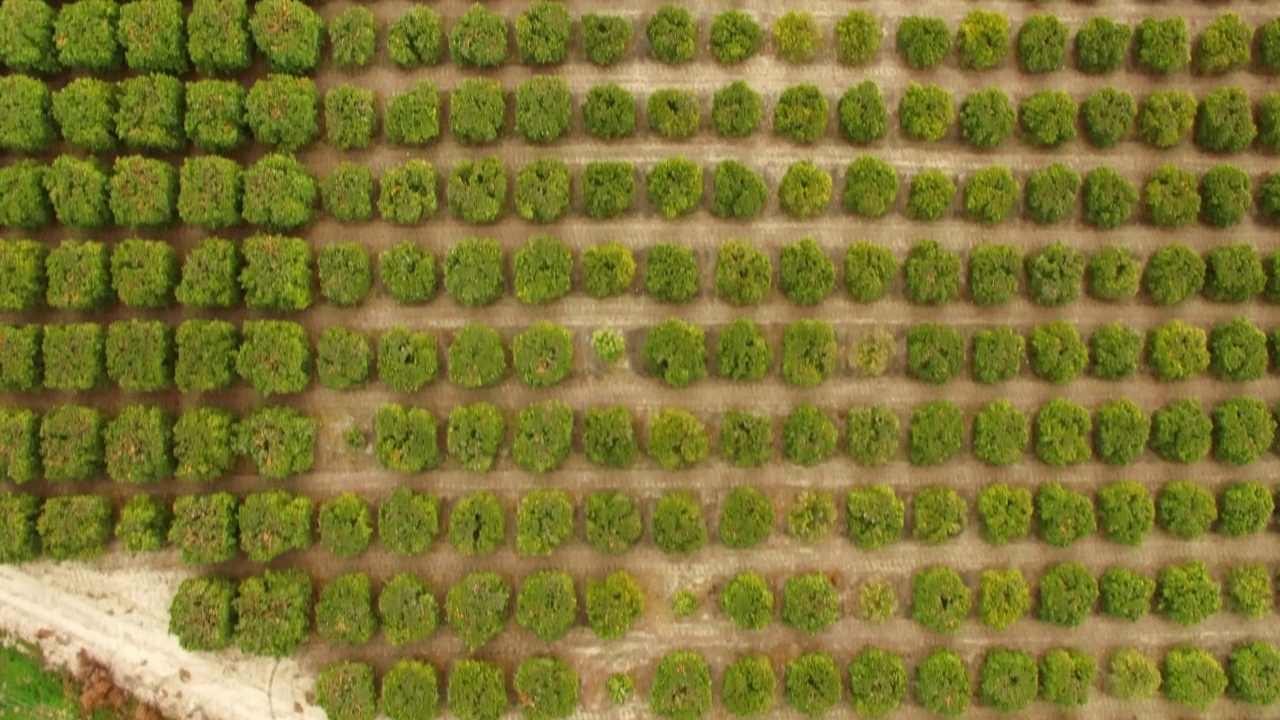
{"type": "Point", "coordinates": [1268, 47]}
{"type": "Point", "coordinates": [477, 690]}
{"type": "Point", "coordinates": [935, 353]}
{"type": "Point", "coordinates": [938, 514]}
{"type": "Point", "coordinates": [476, 608]}
{"type": "Point", "coordinates": [1269, 197]}
{"type": "Point", "coordinates": [1224, 45]}
{"type": "Point", "coordinates": [746, 519]}
{"type": "Point", "coordinates": [201, 615]}
{"type": "Point", "coordinates": [986, 118]}
{"type": "Point", "coordinates": [407, 360]}
{"type": "Point", "coordinates": [1177, 351]}
{"type": "Point", "coordinates": [346, 273]}
{"type": "Point", "coordinates": [608, 269]}
{"type": "Point", "coordinates": [138, 445]}
{"type": "Point", "coordinates": [748, 601]}
{"type": "Point", "coordinates": [210, 192]}
{"type": "Point", "coordinates": [416, 38]}
{"type": "Point", "coordinates": [674, 185]}
{"type": "Point", "coordinates": [813, 684]}
{"type": "Point", "coordinates": [204, 528]}
{"type": "Point", "coordinates": [613, 604]}
{"type": "Point", "coordinates": [1163, 46]}
{"type": "Point", "coordinates": [279, 194]}
{"type": "Point", "coordinates": [801, 113]}
{"type": "Point", "coordinates": [1131, 675]}
{"type": "Point", "coordinates": [274, 522]}
{"type": "Point", "coordinates": [202, 444]}
{"type": "Point", "coordinates": [811, 515]}
{"type": "Point", "coordinates": [1067, 594]}
{"type": "Point", "coordinates": [1268, 123]}
{"type": "Point", "coordinates": [413, 116]}
{"type": "Point", "coordinates": [677, 439]}
{"type": "Point", "coordinates": [1004, 512]}
{"type": "Point", "coordinates": [937, 433]}
{"type": "Point", "coordinates": [1245, 508]}
{"type": "Point", "coordinates": [149, 113]}
{"type": "Point", "coordinates": [745, 438]}
{"type": "Point", "coordinates": [924, 42]}
{"type": "Point", "coordinates": [1252, 672]}
{"type": "Point", "coordinates": [22, 274]}
{"type": "Point", "coordinates": [1058, 354]}
{"type": "Point", "coordinates": [408, 272]}
{"type": "Point", "coordinates": [273, 613]}
{"type": "Point", "coordinates": [1055, 274]}
{"type": "Point", "coordinates": [477, 113]}
{"type": "Point", "coordinates": [1225, 196]}
{"type": "Point", "coordinates": [542, 108]}
{"type": "Point", "coordinates": [930, 195]}
{"type": "Point", "coordinates": [1001, 434]}
{"type": "Point", "coordinates": [547, 605]}
{"type": "Point", "coordinates": [1003, 598]}
{"type": "Point", "coordinates": [1181, 431]}
{"type": "Point", "coordinates": [940, 599]}
{"type": "Point", "coordinates": [407, 193]}
{"type": "Point", "coordinates": [477, 193]}
{"type": "Point", "coordinates": [153, 35]}
{"type": "Point", "coordinates": [605, 38]}
{"type": "Point", "coordinates": [750, 686]}
{"type": "Point", "coordinates": [143, 192]}
{"type": "Point", "coordinates": [1107, 116]}
{"type": "Point", "coordinates": [1165, 117]}
{"type": "Point", "coordinates": [925, 112]}
{"type": "Point", "coordinates": [75, 527]}
{"type": "Point", "coordinates": [1121, 432]}
{"type": "Point", "coordinates": [77, 191]}
{"type": "Point", "coordinates": [862, 114]}
{"type": "Point", "coordinates": [408, 521]}
{"type": "Point", "coordinates": [473, 272]}
{"type": "Point", "coordinates": [1061, 431]}
{"type": "Point", "coordinates": [544, 520]}
{"type": "Point", "coordinates": [808, 353]}
{"type": "Point", "coordinates": [1042, 44]}
{"type": "Point", "coordinates": [1126, 594]}
{"type": "Point", "coordinates": [609, 436]}
{"type": "Point", "coordinates": [671, 273]}
{"type": "Point", "coordinates": [932, 274]}
{"type": "Point", "coordinates": [1009, 681]}
{"type": "Point", "coordinates": [1062, 515]}
{"type": "Point", "coordinates": [280, 441]}
{"type": "Point", "coordinates": [216, 118]}
{"type": "Point", "coordinates": [408, 611]}
{"type": "Point", "coordinates": [995, 273]}
{"type": "Point", "coordinates": [609, 112]}
{"type": "Point", "coordinates": [1193, 677]}
{"type": "Point", "coordinates": [542, 192]}
{"type": "Point", "coordinates": [678, 527]}
{"type": "Point", "coordinates": [542, 34]}
{"type": "Point", "coordinates": [544, 434]}
{"type": "Point", "coordinates": [1224, 121]}
{"type": "Point", "coordinates": [1113, 274]}
{"type": "Point", "coordinates": [672, 34]}
{"type": "Point", "coordinates": [737, 191]}
{"type": "Point", "coordinates": [608, 189]}
{"type": "Point", "coordinates": [872, 352]}
{"type": "Point", "coordinates": [477, 358]}
{"type": "Point", "coordinates": [74, 357]}
{"type": "Point", "coordinates": [735, 37]}
{"type": "Point", "coordinates": [673, 113]}
{"type": "Point", "coordinates": [810, 602]}
{"type": "Point", "coordinates": [806, 275]}
{"type": "Point", "coordinates": [857, 38]}
{"type": "Point", "coordinates": [1048, 118]}
{"type": "Point", "coordinates": [1067, 677]}
{"type": "Point", "coordinates": [1108, 198]}
{"type": "Point", "coordinates": [942, 683]}
{"type": "Point", "coordinates": [808, 435]}
{"type": "Point", "coordinates": [282, 110]}
{"type": "Point", "coordinates": [475, 434]}
{"type": "Point", "coordinates": [1187, 594]}
{"type": "Point", "coordinates": [1243, 430]}
{"type": "Point", "coordinates": [28, 42]}
{"type": "Point", "coordinates": [982, 40]}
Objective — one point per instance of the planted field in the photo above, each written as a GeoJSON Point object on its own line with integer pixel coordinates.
{"type": "Point", "coordinates": [672, 360]}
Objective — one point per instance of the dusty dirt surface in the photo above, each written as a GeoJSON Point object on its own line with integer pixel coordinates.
{"type": "Point", "coordinates": [116, 609]}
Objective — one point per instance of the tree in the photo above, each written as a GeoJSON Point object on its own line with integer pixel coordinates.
{"type": "Point", "coordinates": [605, 38]}
{"type": "Point", "coordinates": [938, 514]}
{"type": "Point", "coordinates": [608, 189]}
{"type": "Point", "coordinates": [216, 119]}
{"type": "Point", "coordinates": [1058, 354]}
{"type": "Point", "coordinates": [925, 112]}
{"type": "Point", "coordinates": [73, 357]}
{"type": "Point", "coordinates": [1226, 196]}
{"type": "Point", "coordinates": [548, 688]}
{"type": "Point", "coordinates": [796, 37]}
{"type": "Point", "coordinates": [1193, 677]}
{"type": "Point", "coordinates": [982, 40]}
{"type": "Point", "coordinates": [1122, 430]}
{"type": "Point", "coordinates": [204, 528]}
{"type": "Point", "coordinates": [942, 683]}
{"type": "Point", "coordinates": [930, 195]}
{"type": "Point", "coordinates": [937, 432]}
{"type": "Point", "coordinates": [1055, 274]}
{"type": "Point", "coordinates": [408, 272]}
{"type": "Point", "coordinates": [1048, 118]}
{"type": "Point", "coordinates": [749, 686]}
{"type": "Point", "coordinates": [995, 275]}
{"type": "Point", "coordinates": [810, 602]}
{"type": "Point", "coordinates": [210, 192]}
{"type": "Point", "coordinates": [1181, 431]}
{"type": "Point", "coordinates": [544, 435]}
{"type": "Point", "coordinates": [877, 682]}
{"type": "Point", "coordinates": [475, 434]}
{"type": "Point", "coordinates": [1233, 273]}
{"type": "Point", "coordinates": [932, 274]}
{"type": "Point", "coordinates": [143, 192]}
{"type": "Point", "coordinates": [27, 43]}
{"type": "Point", "coordinates": [273, 613]}
{"type": "Point", "coordinates": [75, 527]}
{"type": "Point", "coordinates": [609, 112]}
{"type": "Point", "coordinates": [71, 443]}
{"type": "Point", "coordinates": [352, 34]}
{"type": "Point", "coordinates": [477, 690]}
{"type": "Point", "coordinates": [871, 187]}
{"type": "Point", "coordinates": [274, 357]}
{"type": "Point", "coordinates": [408, 610]}
{"type": "Point", "coordinates": [742, 352]}
{"type": "Point", "coordinates": [735, 37]}
{"type": "Point", "coordinates": [202, 444]}
{"type": "Point", "coordinates": [138, 445]}
{"type": "Point", "coordinates": [935, 353]}
{"type": "Point", "coordinates": [748, 601]}
{"type": "Point", "coordinates": [19, 445]}
{"type": "Point", "coordinates": [1187, 594]}
{"type": "Point", "coordinates": [813, 684]}
{"type": "Point", "coordinates": [1116, 351]}
{"type": "Point", "coordinates": [1051, 194]}
{"type": "Point", "coordinates": [408, 522]}
{"type": "Point", "coordinates": [857, 38]}
{"type": "Point", "coordinates": [609, 436]}
{"type": "Point", "coordinates": [675, 352]}
{"type": "Point", "coordinates": [613, 604]}
{"type": "Point", "coordinates": [673, 113]}
{"type": "Point", "coordinates": [1113, 274]}
{"type": "Point", "coordinates": [542, 191]}
{"type": "Point", "coordinates": [940, 599]}
{"type": "Point", "coordinates": [479, 39]}
{"type": "Point", "coordinates": [671, 32]}
{"type": "Point", "coordinates": [861, 112]}
{"type": "Point", "coordinates": [476, 608]}
{"type": "Point", "coordinates": [1001, 434]}
{"type": "Point", "coordinates": [986, 118]}
{"type": "Point", "coordinates": [345, 525]}
{"type": "Point", "coordinates": [407, 360]}
{"type": "Point", "coordinates": [1224, 121]}
{"type": "Point", "coordinates": [1224, 45]}
{"type": "Point", "coordinates": [1165, 117]}
{"type": "Point", "coordinates": [678, 527]}
{"type": "Point", "coordinates": [1107, 116]}
{"type": "Point", "coordinates": [1042, 44]}
{"type": "Point", "coordinates": [1061, 431]}
{"type": "Point", "coordinates": [1066, 676]}
{"type": "Point", "coordinates": [1174, 273]}
{"type": "Point", "coordinates": [344, 612]}
{"type": "Point", "coordinates": [1126, 594]}
{"type": "Point", "coordinates": [808, 436]}
{"type": "Point", "coordinates": [407, 193]}
{"type": "Point", "coordinates": [808, 353]}
{"type": "Point", "coordinates": [674, 185]}
{"type": "Point", "coordinates": [876, 516]}
{"type": "Point", "coordinates": [801, 113]}
{"type": "Point", "coordinates": [542, 34]}
{"type": "Point", "coordinates": [77, 274]}
{"type": "Point", "coordinates": [77, 191]}
{"type": "Point", "coordinates": [1067, 594]}
{"type": "Point", "coordinates": [406, 439]}
{"type": "Point", "coordinates": [1245, 508]}
{"type": "Point", "coordinates": [806, 275]}
{"type": "Point", "coordinates": [149, 113]}
{"type": "Point", "coordinates": [282, 110]}
{"type": "Point", "coordinates": [547, 605]}
{"type": "Point", "coordinates": [201, 614]}
{"type": "Point", "coordinates": [279, 194]}
{"type": "Point", "coordinates": [1131, 675]}
{"type": "Point", "coordinates": [1063, 516]}
{"type": "Point", "coordinates": [1162, 46]}
{"type": "Point", "coordinates": [1177, 351]}
{"type": "Point", "coordinates": [346, 273]}
{"type": "Point", "coordinates": [1003, 598]}
{"type": "Point", "coordinates": [542, 108]}
{"type": "Point", "coordinates": [1252, 673]}
{"type": "Point", "coordinates": [473, 272]}
{"type": "Point", "coordinates": [279, 440]}
{"type": "Point", "coordinates": [1108, 198]}
{"type": "Point", "coordinates": [84, 111]}
{"type": "Point", "coordinates": [477, 114]}
{"type": "Point", "coordinates": [1004, 512]}
{"type": "Point", "coordinates": [410, 691]}
{"type": "Point", "coordinates": [416, 38]}
{"type": "Point", "coordinates": [924, 42]}
{"type": "Point", "coordinates": [677, 439]}
{"type": "Point", "coordinates": [737, 191]}
{"type": "Point", "coordinates": [1009, 681]}
{"type": "Point", "coordinates": [412, 117]}
{"type": "Point", "coordinates": [1243, 429]}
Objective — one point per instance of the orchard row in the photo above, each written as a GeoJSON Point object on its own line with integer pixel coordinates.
{"type": "Point", "coordinates": [161, 114]}
{"type": "Point", "coordinates": [1009, 680]}
{"type": "Point", "coordinates": [220, 37]}
{"type": "Point", "coordinates": [268, 272]}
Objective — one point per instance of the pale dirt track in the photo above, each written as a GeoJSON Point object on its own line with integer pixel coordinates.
{"type": "Point", "coordinates": [118, 610]}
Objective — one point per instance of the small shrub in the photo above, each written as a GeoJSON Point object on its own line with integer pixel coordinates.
{"type": "Point", "coordinates": [808, 436]}
{"type": "Point", "coordinates": [811, 515]}
{"type": "Point", "coordinates": [808, 353]}
{"type": "Point", "coordinates": [932, 274]}
{"type": "Point", "coordinates": [477, 690]}
{"type": "Point", "coordinates": [613, 604]}
{"type": "Point", "coordinates": [1224, 121]}
{"type": "Point", "coordinates": [1113, 274]}
{"type": "Point", "coordinates": [674, 185]}
{"type": "Point", "coordinates": [542, 108]}
{"type": "Point", "coordinates": [605, 38]}
{"type": "Point", "coordinates": [412, 117]}
{"type": "Point", "coordinates": [204, 528]}
{"type": "Point", "coordinates": [942, 683]}
{"type": "Point", "coordinates": [542, 34]}
{"type": "Point", "coordinates": [542, 191]}
{"type": "Point", "coordinates": [280, 441]}
{"type": "Point", "coordinates": [937, 432]}
{"type": "Point", "coordinates": [857, 38]}
{"type": "Point", "coordinates": [982, 40]}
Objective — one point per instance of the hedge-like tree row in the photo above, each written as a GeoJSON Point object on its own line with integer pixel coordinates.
{"type": "Point", "coordinates": [205, 616]}
{"type": "Point", "coordinates": [278, 194]}
{"type": "Point", "coordinates": [144, 444]}
{"type": "Point", "coordinates": [221, 37]}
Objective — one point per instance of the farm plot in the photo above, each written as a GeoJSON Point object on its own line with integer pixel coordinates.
{"type": "Point", "coordinates": [675, 360]}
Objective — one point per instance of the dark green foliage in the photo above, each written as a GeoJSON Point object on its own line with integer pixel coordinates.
{"type": "Point", "coordinates": [935, 353]}
{"type": "Point", "coordinates": [750, 686]}
{"type": "Point", "coordinates": [1177, 351]}
{"type": "Point", "coordinates": [408, 521]}
{"type": "Point", "coordinates": [678, 527]}
{"type": "Point", "coordinates": [1253, 671]}
{"type": "Point", "coordinates": [609, 112]}
{"type": "Point", "coordinates": [1058, 354]}
{"type": "Point", "coordinates": [1174, 273]}
{"type": "Point", "coordinates": [938, 514]}
{"type": "Point", "coordinates": [673, 113]}
{"type": "Point", "coordinates": [736, 110]}
{"type": "Point", "coordinates": [808, 435]}
{"type": "Point", "coordinates": [1269, 197]}
{"type": "Point", "coordinates": [477, 192]}
{"type": "Point", "coordinates": [153, 34]}
{"type": "Point", "coordinates": [79, 276]}
{"type": "Point", "coordinates": [77, 192]}
{"type": "Point", "coordinates": [1268, 123]}
{"type": "Point", "coordinates": [416, 38]}
{"type": "Point", "coordinates": [1067, 594]}
{"type": "Point", "coordinates": [547, 605]}
{"type": "Point", "coordinates": [796, 37]}
{"type": "Point", "coordinates": [140, 355]}
{"type": "Point", "coordinates": [407, 192]}
{"type": "Point", "coordinates": [143, 192]}
{"type": "Point", "coordinates": [1224, 45]}
{"type": "Point", "coordinates": [808, 353]}
{"type": "Point", "coordinates": [201, 615]}
{"type": "Point", "coordinates": [22, 274]}
{"type": "Point", "coordinates": [608, 269]}
{"type": "Point", "coordinates": [349, 116]}
{"type": "Point", "coordinates": [542, 34]}
{"type": "Point", "coordinates": [810, 602]}
{"type": "Point", "coordinates": [138, 445]}
{"type": "Point", "coordinates": [216, 118]}
{"type": "Point", "coordinates": [74, 357]}
{"type": "Point", "coordinates": [19, 445]}
{"type": "Point", "coordinates": [542, 108]}
{"type": "Point", "coordinates": [1162, 46]}
{"type": "Point", "coordinates": [742, 352]}
{"type": "Point", "coordinates": [352, 34]}
{"type": "Point", "coordinates": [1187, 593]}
{"type": "Point", "coordinates": [282, 110]}
{"type": "Point", "coordinates": [1233, 273]}
{"type": "Point", "coordinates": [942, 683]}
{"type": "Point", "coordinates": [75, 527]}
{"type": "Point", "coordinates": [1122, 429]}
{"type": "Point", "coordinates": [1126, 594]}
{"type": "Point", "coordinates": [1067, 676]}
{"type": "Point", "coordinates": [1051, 194]}
{"type": "Point", "coordinates": [737, 191]}
{"type": "Point", "coordinates": [609, 436]}
{"type": "Point", "coordinates": [408, 272]}
{"type": "Point", "coordinates": [20, 362]}
{"type": "Point", "coordinates": [542, 192]}
{"type": "Point", "coordinates": [343, 359]}
{"type": "Point", "coordinates": [1268, 47]}
{"type": "Point", "coordinates": [806, 275]}
{"type": "Point", "coordinates": [1181, 431]}
{"type": "Point", "coordinates": [24, 205]}
{"type": "Point", "coordinates": [413, 116]}
{"type": "Point", "coordinates": [986, 118]}
{"type": "Point", "coordinates": [280, 441]}
{"type": "Point", "coordinates": [479, 39]}
{"type": "Point", "coordinates": [924, 42]}
{"type": "Point", "coordinates": [937, 432]}
{"type": "Point", "coordinates": [1224, 121]}
{"type": "Point", "coordinates": [1055, 274]}
{"type": "Point", "coordinates": [1001, 434]}
{"type": "Point", "coordinates": [149, 113]}
{"type": "Point", "coordinates": [1061, 432]}
{"type": "Point", "coordinates": [608, 189]}
{"type": "Point", "coordinates": [877, 682]}
{"type": "Point", "coordinates": [1116, 350]}
{"type": "Point", "coordinates": [1004, 512]}
{"type": "Point", "coordinates": [1062, 515]}
{"type": "Point", "coordinates": [544, 434]}
{"type": "Point", "coordinates": [289, 34]}
{"type": "Point", "coordinates": [748, 601]}
{"type": "Point", "coordinates": [346, 273]}
{"type": "Point", "coordinates": [677, 439]}
{"type": "Point", "coordinates": [671, 273]}
{"type": "Point", "coordinates": [273, 523]}
{"type": "Point", "coordinates": [28, 39]}
{"type": "Point", "coordinates": [273, 613]}
{"type": "Point", "coordinates": [547, 688]}
{"type": "Point", "coordinates": [1107, 116]}
{"type": "Point", "coordinates": [869, 270]}
{"type": "Point", "coordinates": [1243, 429]}
{"type": "Point", "coordinates": [407, 360]}
{"type": "Point", "coordinates": [477, 524]}
{"type": "Point", "coordinates": [674, 185]}
{"type": "Point", "coordinates": [202, 444]}
{"type": "Point", "coordinates": [1165, 117]}
{"type": "Point", "coordinates": [982, 39]}
{"type": "Point", "coordinates": [274, 357]}
{"type": "Point", "coordinates": [811, 515]}
{"type": "Point", "coordinates": [813, 684]}
{"type": "Point", "coordinates": [989, 196]}
{"type": "Point", "coordinates": [1048, 118]}
{"type": "Point", "coordinates": [204, 528]}
{"type": "Point", "coordinates": [1131, 675]}
{"type": "Point", "coordinates": [676, 352]}
{"type": "Point", "coordinates": [345, 525]}
{"type": "Point", "coordinates": [19, 541]}
{"type": "Point", "coordinates": [1009, 681]}
{"type": "Point", "coordinates": [477, 358]}
{"type": "Point", "coordinates": [545, 518]}
{"type": "Point", "coordinates": [408, 610]}
{"type": "Point", "coordinates": [925, 112]}
{"type": "Point", "coordinates": [210, 192]}
{"type": "Point", "coordinates": [1245, 508]}
{"type": "Point", "coordinates": [1193, 677]}
{"type": "Point", "coordinates": [84, 110]}
{"type": "Point", "coordinates": [475, 435]}
{"type": "Point", "coordinates": [871, 186]}
{"type": "Point", "coordinates": [746, 439]}
{"type": "Point", "coordinates": [1108, 198]}
{"type": "Point", "coordinates": [1101, 45]}
{"type": "Point", "coordinates": [932, 274]}
{"type": "Point", "coordinates": [280, 194]}
{"type": "Point", "coordinates": [1113, 274]}
{"type": "Point", "coordinates": [477, 690]}
{"type": "Point", "coordinates": [672, 34]}
{"type": "Point", "coordinates": [345, 691]}
{"type": "Point", "coordinates": [605, 37]}
{"type": "Point", "coordinates": [735, 37]}
{"type": "Point", "coordinates": [1225, 196]}
{"type": "Point", "coordinates": [613, 603]}
{"type": "Point", "coordinates": [861, 113]}
{"type": "Point", "coordinates": [995, 273]}
{"type": "Point", "coordinates": [473, 273]}
{"type": "Point", "coordinates": [1042, 44]}
{"type": "Point", "coordinates": [746, 518]}
{"type": "Point", "coordinates": [801, 113]}
{"type": "Point", "coordinates": [542, 270]}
